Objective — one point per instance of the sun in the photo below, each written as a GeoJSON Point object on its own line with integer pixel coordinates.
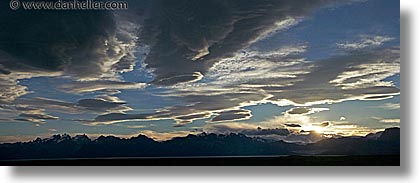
{"type": "Point", "coordinates": [317, 129]}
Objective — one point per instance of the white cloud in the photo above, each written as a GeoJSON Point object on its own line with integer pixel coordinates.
{"type": "Point", "coordinates": [365, 42]}
{"type": "Point", "coordinates": [10, 89]}
{"type": "Point", "coordinates": [390, 120]}
{"type": "Point", "coordinates": [391, 106]}
{"type": "Point", "coordinates": [368, 75]}
{"type": "Point", "coordinates": [99, 85]}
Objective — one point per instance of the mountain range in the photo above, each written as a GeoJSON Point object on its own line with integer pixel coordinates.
{"type": "Point", "coordinates": [58, 146]}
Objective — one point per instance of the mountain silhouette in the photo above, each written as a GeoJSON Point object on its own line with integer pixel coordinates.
{"type": "Point", "coordinates": [81, 146]}
{"type": "Point", "coordinates": [381, 143]}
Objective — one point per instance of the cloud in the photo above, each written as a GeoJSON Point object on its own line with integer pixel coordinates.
{"type": "Point", "coordinates": [250, 70]}
{"type": "Point", "coordinates": [99, 85]}
{"type": "Point", "coordinates": [48, 104]}
{"type": "Point", "coordinates": [291, 82]}
{"type": "Point", "coordinates": [244, 128]}
{"type": "Point", "coordinates": [377, 97]}
{"type": "Point", "coordinates": [190, 37]}
{"type": "Point", "coordinates": [232, 115]}
{"type": "Point", "coordinates": [182, 78]}
{"type": "Point", "coordinates": [196, 104]}
{"type": "Point", "coordinates": [199, 54]}
{"type": "Point", "coordinates": [323, 124]}
{"type": "Point", "coordinates": [68, 42]}
{"type": "Point", "coordinates": [366, 41]}
{"type": "Point", "coordinates": [182, 120]}
{"type": "Point", "coordinates": [282, 52]}
{"type": "Point", "coordinates": [24, 113]}
{"type": "Point", "coordinates": [292, 125]}
{"type": "Point", "coordinates": [97, 104]}
{"type": "Point", "coordinates": [111, 118]}
{"type": "Point", "coordinates": [389, 120]}
{"type": "Point", "coordinates": [260, 131]}
{"type": "Point", "coordinates": [390, 106]}
{"type": "Point", "coordinates": [10, 89]}
{"type": "Point", "coordinates": [299, 110]}
{"type": "Point", "coordinates": [33, 108]}
{"type": "Point", "coordinates": [326, 82]}
{"type": "Point", "coordinates": [21, 138]}
{"type": "Point", "coordinates": [35, 117]}
{"type": "Point", "coordinates": [321, 82]}
{"type": "Point", "coordinates": [305, 128]}
{"type": "Point", "coordinates": [369, 74]}
{"type": "Point", "coordinates": [304, 110]}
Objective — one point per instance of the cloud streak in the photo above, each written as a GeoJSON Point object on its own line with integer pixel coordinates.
{"type": "Point", "coordinates": [365, 42]}
{"type": "Point", "coordinates": [194, 36]}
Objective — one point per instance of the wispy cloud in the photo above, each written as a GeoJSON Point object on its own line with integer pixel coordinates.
{"type": "Point", "coordinates": [390, 120]}
{"type": "Point", "coordinates": [390, 106]}
{"type": "Point", "coordinates": [365, 41]}
{"type": "Point", "coordinates": [244, 128]}
{"type": "Point", "coordinates": [195, 44]}
{"type": "Point", "coordinates": [99, 85]}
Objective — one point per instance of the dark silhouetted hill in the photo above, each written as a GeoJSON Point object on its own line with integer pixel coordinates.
{"type": "Point", "coordinates": [80, 146]}
{"type": "Point", "coordinates": [381, 143]}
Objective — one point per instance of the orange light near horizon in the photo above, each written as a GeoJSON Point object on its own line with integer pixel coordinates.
{"type": "Point", "coordinates": [317, 129]}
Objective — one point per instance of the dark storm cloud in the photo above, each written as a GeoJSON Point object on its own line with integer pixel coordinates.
{"type": "Point", "coordinates": [52, 40]}
{"type": "Point", "coordinates": [4, 71]}
{"type": "Point", "coordinates": [189, 36]}
{"type": "Point", "coordinates": [84, 44]}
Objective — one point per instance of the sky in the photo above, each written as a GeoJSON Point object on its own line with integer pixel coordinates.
{"type": "Point", "coordinates": [297, 71]}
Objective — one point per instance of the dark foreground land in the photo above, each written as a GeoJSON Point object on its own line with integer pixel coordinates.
{"type": "Point", "coordinates": [377, 160]}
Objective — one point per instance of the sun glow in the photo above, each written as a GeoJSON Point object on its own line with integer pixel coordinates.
{"type": "Point", "coordinates": [317, 129]}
